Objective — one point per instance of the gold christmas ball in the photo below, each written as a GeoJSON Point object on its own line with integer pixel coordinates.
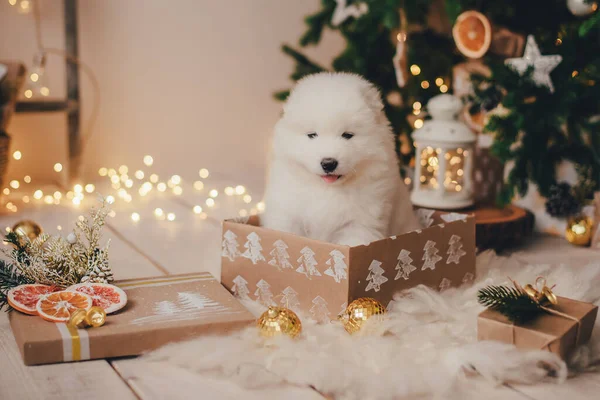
{"type": "Point", "coordinates": [95, 317]}
{"type": "Point", "coordinates": [359, 312]}
{"type": "Point", "coordinates": [78, 318]}
{"type": "Point", "coordinates": [277, 321]}
{"type": "Point", "coordinates": [27, 228]}
{"type": "Point", "coordinates": [579, 230]}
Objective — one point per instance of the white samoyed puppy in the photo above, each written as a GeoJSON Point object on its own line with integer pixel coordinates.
{"type": "Point", "coordinates": [334, 173]}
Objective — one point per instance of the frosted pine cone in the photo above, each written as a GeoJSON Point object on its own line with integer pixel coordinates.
{"type": "Point", "coordinates": [561, 202]}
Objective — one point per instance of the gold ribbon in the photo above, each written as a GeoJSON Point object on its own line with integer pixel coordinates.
{"type": "Point", "coordinates": [75, 342]}
{"type": "Point", "coordinates": [542, 294]}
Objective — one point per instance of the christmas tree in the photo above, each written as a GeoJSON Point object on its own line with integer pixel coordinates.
{"type": "Point", "coordinates": [430, 256]}
{"type": "Point", "coordinates": [455, 251]}
{"type": "Point", "coordinates": [319, 310]}
{"type": "Point", "coordinates": [404, 266]}
{"type": "Point", "coordinates": [337, 267]}
{"type": "Point", "coordinates": [230, 246]}
{"type": "Point", "coordinates": [263, 293]}
{"type": "Point", "coordinates": [308, 264]}
{"type": "Point", "coordinates": [290, 299]}
{"type": "Point", "coordinates": [375, 277]}
{"type": "Point", "coordinates": [280, 255]}
{"type": "Point", "coordinates": [254, 248]}
{"type": "Point", "coordinates": [240, 288]}
{"type": "Point", "coordinates": [541, 109]}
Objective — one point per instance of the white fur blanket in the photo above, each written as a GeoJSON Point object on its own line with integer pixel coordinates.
{"type": "Point", "coordinates": [428, 344]}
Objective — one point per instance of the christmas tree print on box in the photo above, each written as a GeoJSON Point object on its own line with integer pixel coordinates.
{"type": "Point", "coordinates": [445, 284]}
{"type": "Point", "coordinates": [315, 278]}
{"type": "Point", "coordinates": [320, 310]}
{"type": "Point", "coordinates": [230, 246]}
{"type": "Point", "coordinates": [289, 299]}
{"type": "Point", "coordinates": [263, 294]}
{"type": "Point", "coordinates": [253, 248]}
{"type": "Point", "coordinates": [337, 267]}
{"type": "Point", "coordinates": [431, 256]}
{"type": "Point", "coordinates": [308, 263]}
{"type": "Point", "coordinates": [240, 288]}
{"type": "Point", "coordinates": [425, 217]}
{"type": "Point", "coordinates": [404, 266]}
{"type": "Point", "coordinates": [280, 255]}
{"type": "Point", "coordinates": [189, 306]}
{"type": "Point", "coordinates": [455, 251]}
{"type": "Point", "coordinates": [375, 277]}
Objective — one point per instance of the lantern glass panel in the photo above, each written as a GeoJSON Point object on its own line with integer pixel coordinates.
{"type": "Point", "coordinates": [429, 168]}
{"type": "Point", "coordinates": [454, 175]}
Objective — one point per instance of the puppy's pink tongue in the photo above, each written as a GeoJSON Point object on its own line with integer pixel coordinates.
{"type": "Point", "coordinates": [330, 178]}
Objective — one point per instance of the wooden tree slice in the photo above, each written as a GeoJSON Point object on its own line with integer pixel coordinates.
{"type": "Point", "coordinates": [497, 228]}
{"type": "Point", "coordinates": [500, 228]}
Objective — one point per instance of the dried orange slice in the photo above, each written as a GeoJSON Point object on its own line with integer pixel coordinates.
{"type": "Point", "coordinates": [58, 306]}
{"type": "Point", "coordinates": [25, 297]}
{"type": "Point", "coordinates": [104, 295]}
{"type": "Point", "coordinates": [472, 34]}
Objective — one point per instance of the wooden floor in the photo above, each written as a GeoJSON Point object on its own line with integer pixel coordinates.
{"type": "Point", "coordinates": [154, 247]}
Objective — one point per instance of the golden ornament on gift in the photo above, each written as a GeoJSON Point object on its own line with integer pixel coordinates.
{"type": "Point", "coordinates": [579, 230]}
{"type": "Point", "coordinates": [77, 319]}
{"type": "Point", "coordinates": [359, 312]}
{"type": "Point", "coordinates": [27, 228]}
{"type": "Point", "coordinates": [279, 320]}
{"type": "Point", "coordinates": [95, 317]}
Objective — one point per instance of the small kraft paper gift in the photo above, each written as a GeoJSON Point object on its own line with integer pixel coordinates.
{"type": "Point", "coordinates": [320, 279]}
{"type": "Point", "coordinates": [159, 310]}
{"type": "Point", "coordinates": [545, 322]}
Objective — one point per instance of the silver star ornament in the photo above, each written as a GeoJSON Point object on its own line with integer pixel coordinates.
{"type": "Point", "coordinates": [542, 65]}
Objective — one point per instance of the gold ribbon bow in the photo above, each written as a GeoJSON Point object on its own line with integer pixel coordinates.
{"type": "Point", "coordinates": [539, 292]}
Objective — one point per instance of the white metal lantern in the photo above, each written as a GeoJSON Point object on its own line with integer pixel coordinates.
{"type": "Point", "coordinates": [444, 157]}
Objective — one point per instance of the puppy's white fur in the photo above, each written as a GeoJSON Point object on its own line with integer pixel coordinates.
{"type": "Point", "coordinates": [369, 201]}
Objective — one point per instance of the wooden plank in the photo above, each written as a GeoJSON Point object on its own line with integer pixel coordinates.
{"type": "Point", "coordinates": [91, 379]}
{"type": "Point", "coordinates": [158, 382]}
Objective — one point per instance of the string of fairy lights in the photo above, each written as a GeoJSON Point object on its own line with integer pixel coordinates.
{"type": "Point", "coordinates": [415, 70]}
{"type": "Point", "coordinates": [128, 185]}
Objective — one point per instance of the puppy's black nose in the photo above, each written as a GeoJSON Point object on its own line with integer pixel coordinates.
{"type": "Point", "coordinates": [329, 164]}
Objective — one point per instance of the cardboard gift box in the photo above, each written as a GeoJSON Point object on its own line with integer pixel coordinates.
{"type": "Point", "coordinates": [159, 310]}
{"type": "Point", "coordinates": [320, 279]}
{"type": "Point", "coordinates": [555, 333]}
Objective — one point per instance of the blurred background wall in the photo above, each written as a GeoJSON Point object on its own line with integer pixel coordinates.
{"type": "Point", "coordinates": [189, 82]}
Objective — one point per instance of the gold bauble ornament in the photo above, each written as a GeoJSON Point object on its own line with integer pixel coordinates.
{"type": "Point", "coordinates": [95, 317]}
{"type": "Point", "coordinates": [77, 319]}
{"type": "Point", "coordinates": [359, 312]}
{"type": "Point", "coordinates": [579, 230]}
{"type": "Point", "coordinates": [277, 321]}
{"type": "Point", "coordinates": [27, 228]}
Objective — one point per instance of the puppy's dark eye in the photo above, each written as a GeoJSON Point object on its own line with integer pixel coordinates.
{"type": "Point", "coordinates": [312, 135]}
{"type": "Point", "coordinates": [347, 135]}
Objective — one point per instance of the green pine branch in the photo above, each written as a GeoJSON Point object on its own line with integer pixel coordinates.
{"type": "Point", "coordinates": [514, 304]}
{"type": "Point", "coordinates": [9, 279]}
{"type": "Point", "coordinates": [316, 23]}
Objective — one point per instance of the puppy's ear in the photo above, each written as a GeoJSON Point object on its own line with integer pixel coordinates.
{"type": "Point", "coordinates": [373, 97]}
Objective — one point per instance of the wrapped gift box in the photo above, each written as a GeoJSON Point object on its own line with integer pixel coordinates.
{"type": "Point", "coordinates": [159, 310]}
{"type": "Point", "coordinates": [557, 334]}
{"type": "Point", "coordinates": [319, 279]}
